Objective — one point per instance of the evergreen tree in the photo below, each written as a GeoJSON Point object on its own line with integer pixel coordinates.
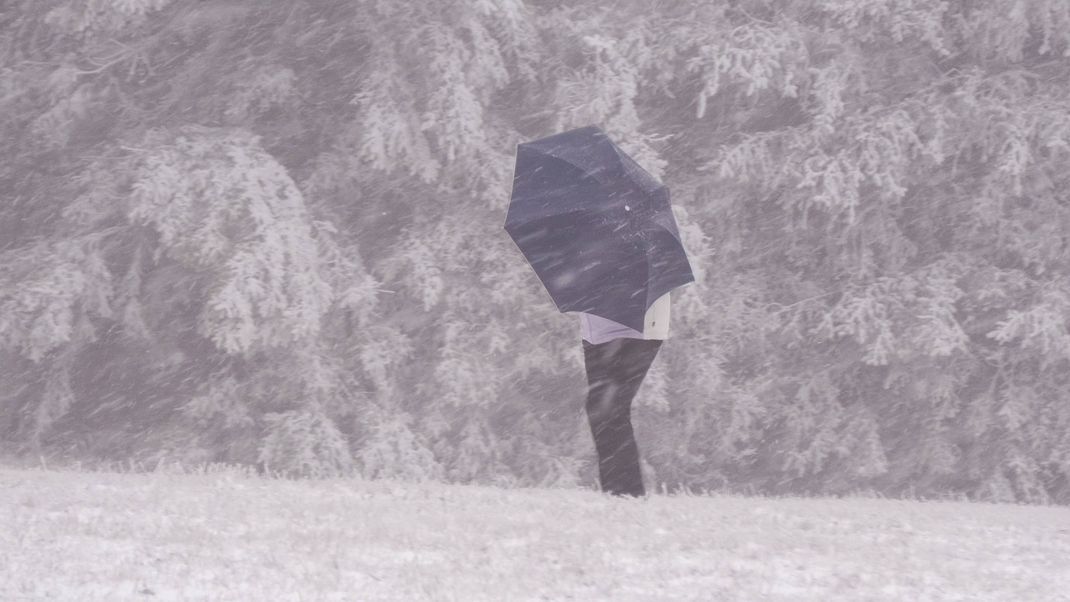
{"type": "Point", "coordinates": [270, 232]}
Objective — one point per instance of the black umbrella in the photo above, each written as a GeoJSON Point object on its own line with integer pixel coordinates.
{"type": "Point", "coordinates": [597, 228]}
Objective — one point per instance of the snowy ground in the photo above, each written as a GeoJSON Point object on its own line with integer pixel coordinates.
{"type": "Point", "coordinates": [228, 536]}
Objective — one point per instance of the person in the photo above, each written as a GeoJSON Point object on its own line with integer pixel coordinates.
{"type": "Point", "coordinates": [616, 359]}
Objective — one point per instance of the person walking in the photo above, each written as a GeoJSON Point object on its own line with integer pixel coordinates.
{"type": "Point", "coordinates": [616, 359]}
{"type": "Point", "coordinates": [599, 232]}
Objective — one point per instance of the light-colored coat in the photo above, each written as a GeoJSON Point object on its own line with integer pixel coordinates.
{"type": "Point", "coordinates": [596, 329]}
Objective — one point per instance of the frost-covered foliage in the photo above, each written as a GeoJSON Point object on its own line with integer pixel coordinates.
{"type": "Point", "coordinates": [223, 206]}
{"type": "Point", "coordinates": [99, 17]}
{"type": "Point", "coordinates": [219, 219]}
{"type": "Point", "coordinates": [304, 443]}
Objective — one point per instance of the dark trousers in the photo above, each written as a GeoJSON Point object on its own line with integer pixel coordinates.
{"type": "Point", "coordinates": [615, 369]}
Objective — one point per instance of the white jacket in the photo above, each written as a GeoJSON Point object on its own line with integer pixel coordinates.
{"type": "Point", "coordinates": [596, 329]}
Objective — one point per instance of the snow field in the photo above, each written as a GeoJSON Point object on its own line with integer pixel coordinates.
{"type": "Point", "coordinates": [231, 536]}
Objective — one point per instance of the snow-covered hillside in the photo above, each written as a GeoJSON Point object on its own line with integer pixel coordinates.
{"type": "Point", "coordinates": [228, 536]}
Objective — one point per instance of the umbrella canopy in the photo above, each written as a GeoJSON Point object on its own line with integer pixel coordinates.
{"type": "Point", "coordinates": [596, 227]}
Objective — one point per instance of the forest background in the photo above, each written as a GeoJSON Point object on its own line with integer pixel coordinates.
{"type": "Point", "coordinates": [270, 232]}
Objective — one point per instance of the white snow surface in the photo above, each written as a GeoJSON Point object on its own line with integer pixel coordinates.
{"type": "Point", "coordinates": [228, 535]}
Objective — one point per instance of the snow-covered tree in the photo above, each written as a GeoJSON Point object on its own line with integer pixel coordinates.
{"type": "Point", "coordinates": [271, 232]}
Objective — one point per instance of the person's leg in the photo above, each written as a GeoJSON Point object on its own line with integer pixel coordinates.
{"type": "Point", "coordinates": [615, 370]}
